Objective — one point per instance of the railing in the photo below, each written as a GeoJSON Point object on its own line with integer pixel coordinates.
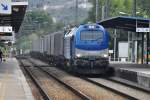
{"type": "Point", "coordinates": [120, 60]}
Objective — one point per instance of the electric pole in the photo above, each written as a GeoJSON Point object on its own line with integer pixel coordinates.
{"type": "Point", "coordinates": [133, 55]}
{"type": "Point", "coordinates": [97, 10]}
{"type": "Point", "coordinates": [134, 8]}
{"type": "Point", "coordinates": [107, 8]}
{"type": "Point", "coordinates": [76, 12]}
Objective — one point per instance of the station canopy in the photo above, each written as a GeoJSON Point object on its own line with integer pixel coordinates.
{"type": "Point", "coordinates": [126, 23]}
{"type": "Point", "coordinates": [15, 19]}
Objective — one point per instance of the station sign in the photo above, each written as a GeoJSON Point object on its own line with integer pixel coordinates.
{"type": "Point", "coordinates": [6, 29]}
{"type": "Point", "coordinates": [111, 51]}
{"type": "Point", "coordinates": [140, 29]}
{"type": "Point", "coordinates": [5, 7]}
{"type": "Point", "coordinates": [7, 38]}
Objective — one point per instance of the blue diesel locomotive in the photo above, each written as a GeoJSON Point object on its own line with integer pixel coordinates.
{"type": "Point", "coordinates": [82, 49]}
{"type": "Point", "coordinates": [86, 49]}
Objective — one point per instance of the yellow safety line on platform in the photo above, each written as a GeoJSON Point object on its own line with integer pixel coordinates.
{"type": "Point", "coordinates": [3, 90]}
{"type": "Point", "coordinates": [0, 85]}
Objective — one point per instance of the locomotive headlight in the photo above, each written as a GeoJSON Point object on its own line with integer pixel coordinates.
{"type": "Point", "coordinates": [78, 55]}
{"type": "Point", "coordinates": [91, 27]}
{"type": "Point", "coordinates": [105, 55]}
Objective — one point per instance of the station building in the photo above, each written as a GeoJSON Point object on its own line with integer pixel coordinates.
{"type": "Point", "coordinates": [139, 37]}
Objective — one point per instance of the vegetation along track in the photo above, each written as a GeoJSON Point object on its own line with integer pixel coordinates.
{"type": "Point", "coordinates": [53, 88]}
{"type": "Point", "coordinates": [122, 89]}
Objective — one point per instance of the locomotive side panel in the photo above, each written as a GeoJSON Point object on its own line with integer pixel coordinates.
{"type": "Point", "coordinates": [45, 44]}
{"type": "Point", "coordinates": [41, 45]}
{"type": "Point", "coordinates": [52, 44]}
{"type": "Point", "coordinates": [48, 45]}
{"type": "Point", "coordinates": [58, 44]}
{"type": "Point", "coordinates": [35, 45]}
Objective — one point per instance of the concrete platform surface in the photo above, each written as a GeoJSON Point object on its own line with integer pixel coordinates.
{"type": "Point", "coordinates": [136, 73]}
{"type": "Point", "coordinates": [13, 85]}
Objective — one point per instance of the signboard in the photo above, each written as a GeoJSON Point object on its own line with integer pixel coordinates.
{"type": "Point", "coordinates": [111, 51]}
{"type": "Point", "coordinates": [123, 49]}
{"type": "Point", "coordinates": [7, 38]}
{"type": "Point", "coordinates": [5, 7]}
{"type": "Point", "coordinates": [6, 29]}
{"type": "Point", "coordinates": [142, 29]}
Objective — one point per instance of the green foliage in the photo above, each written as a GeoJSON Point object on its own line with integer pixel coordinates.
{"type": "Point", "coordinates": [23, 43]}
{"type": "Point", "coordinates": [116, 6]}
{"type": "Point", "coordinates": [37, 21]}
{"type": "Point", "coordinates": [36, 24]}
{"type": "Point", "coordinates": [145, 5]}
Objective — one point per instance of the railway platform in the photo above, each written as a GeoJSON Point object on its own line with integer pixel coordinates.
{"type": "Point", "coordinates": [136, 74]}
{"type": "Point", "coordinates": [13, 85]}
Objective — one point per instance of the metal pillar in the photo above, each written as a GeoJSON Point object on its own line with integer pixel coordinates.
{"type": "Point", "coordinates": [115, 39]}
{"type": "Point", "coordinates": [133, 56]}
{"type": "Point", "coordinates": [133, 48]}
{"type": "Point", "coordinates": [147, 35]}
{"type": "Point", "coordinates": [128, 46]}
{"type": "Point", "coordinates": [107, 8]}
{"type": "Point", "coordinates": [142, 52]}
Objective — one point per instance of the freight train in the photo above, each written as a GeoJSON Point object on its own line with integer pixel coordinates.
{"type": "Point", "coordinates": [82, 49]}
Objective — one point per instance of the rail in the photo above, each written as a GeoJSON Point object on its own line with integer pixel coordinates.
{"type": "Point", "coordinates": [118, 91]}
{"type": "Point", "coordinates": [77, 92]}
{"type": "Point", "coordinates": [42, 92]}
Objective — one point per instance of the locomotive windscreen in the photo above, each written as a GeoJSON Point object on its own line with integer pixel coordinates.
{"type": "Point", "coordinates": [91, 35]}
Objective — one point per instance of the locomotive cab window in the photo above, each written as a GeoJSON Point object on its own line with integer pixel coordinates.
{"type": "Point", "coordinates": [91, 35]}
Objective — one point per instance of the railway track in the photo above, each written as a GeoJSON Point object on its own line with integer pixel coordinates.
{"type": "Point", "coordinates": [73, 94]}
{"type": "Point", "coordinates": [93, 92]}
{"type": "Point", "coordinates": [128, 91]}
{"type": "Point", "coordinates": [93, 84]}
{"type": "Point", "coordinates": [77, 92]}
{"type": "Point", "coordinates": [35, 81]}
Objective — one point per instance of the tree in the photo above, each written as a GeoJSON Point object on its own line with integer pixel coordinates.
{"type": "Point", "coordinates": [36, 24]}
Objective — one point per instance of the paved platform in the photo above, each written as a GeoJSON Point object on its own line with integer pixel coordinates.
{"type": "Point", "coordinates": [13, 85]}
{"type": "Point", "coordinates": [136, 73]}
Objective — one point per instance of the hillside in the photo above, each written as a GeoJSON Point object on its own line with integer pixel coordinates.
{"type": "Point", "coordinates": [62, 10]}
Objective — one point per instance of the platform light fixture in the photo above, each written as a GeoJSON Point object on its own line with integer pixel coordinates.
{"type": "Point", "coordinates": [124, 13]}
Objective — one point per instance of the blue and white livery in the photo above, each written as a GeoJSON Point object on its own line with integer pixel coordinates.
{"type": "Point", "coordinates": [86, 48]}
